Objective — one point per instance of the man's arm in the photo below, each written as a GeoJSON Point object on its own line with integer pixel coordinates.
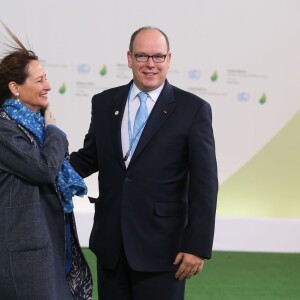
{"type": "Point", "coordinates": [203, 188]}
{"type": "Point", "coordinates": [85, 161]}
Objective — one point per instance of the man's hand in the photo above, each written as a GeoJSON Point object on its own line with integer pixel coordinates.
{"type": "Point", "coordinates": [190, 265]}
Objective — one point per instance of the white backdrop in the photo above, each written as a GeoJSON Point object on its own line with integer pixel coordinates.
{"type": "Point", "coordinates": [241, 56]}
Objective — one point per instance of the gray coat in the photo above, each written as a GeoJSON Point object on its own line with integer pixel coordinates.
{"type": "Point", "coordinates": [32, 220]}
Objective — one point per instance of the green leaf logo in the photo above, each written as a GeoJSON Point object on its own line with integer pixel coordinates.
{"type": "Point", "coordinates": [263, 99]}
{"type": "Point", "coordinates": [62, 89]}
{"type": "Point", "coordinates": [103, 71]}
{"type": "Point", "coordinates": [214, 76]}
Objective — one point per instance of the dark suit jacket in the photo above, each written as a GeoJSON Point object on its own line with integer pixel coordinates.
{"type": "Point", "coordinates": [165, 201]}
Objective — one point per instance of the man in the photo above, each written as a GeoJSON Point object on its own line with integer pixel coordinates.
{"type": "Point", "coordinates": [154, 218]}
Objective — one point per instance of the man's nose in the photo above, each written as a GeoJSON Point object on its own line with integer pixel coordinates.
{"type": "Point", "coordinates": [150, 62]}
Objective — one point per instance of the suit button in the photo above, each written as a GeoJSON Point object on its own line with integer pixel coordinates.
{"type": "Point", "coordinates": [127, 179]}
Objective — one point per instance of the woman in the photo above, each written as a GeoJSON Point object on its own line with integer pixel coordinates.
{"type": "Point", "coordinates": [40, 256]}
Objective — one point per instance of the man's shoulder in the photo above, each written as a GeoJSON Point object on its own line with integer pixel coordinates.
{"type": "Point", "coordinates": [112, 91]}
{"type": "Point", "coordinates": [110, 96]}
{"type": "Point", "coordinates": [187, 96]}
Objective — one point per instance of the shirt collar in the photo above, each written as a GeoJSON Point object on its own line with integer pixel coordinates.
{"type": "Point", "coordinates": [153, 94]}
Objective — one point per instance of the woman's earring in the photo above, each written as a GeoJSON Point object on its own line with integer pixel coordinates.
{"type": "Point", "coordinates": [17, 96]}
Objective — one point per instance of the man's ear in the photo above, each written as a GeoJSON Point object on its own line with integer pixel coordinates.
{"type": "Point", "coordinates": [129, 59]}
{"type": "Point", "coordinates": [13, 86]}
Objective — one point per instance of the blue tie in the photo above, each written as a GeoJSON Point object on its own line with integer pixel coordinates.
{"type": "Point", "coordinates": [140, 120]}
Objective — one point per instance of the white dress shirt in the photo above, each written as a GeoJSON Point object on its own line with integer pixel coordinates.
{"type": "Point", "coordinates": [132, 105]}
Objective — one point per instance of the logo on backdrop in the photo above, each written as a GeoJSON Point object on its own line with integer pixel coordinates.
{"type": "Point", "coordinates": [214, 76]}
{"type": "Point", "coordinates": [62, 89]}
{"type": "Point", "coordinates": [243, 96]}
{"type": "Point", "coordinates": [263, 99]}
{"type": "Point", "coordinates": [83, 68]}
{"type": "Point", "coordinates": [194, 74]}
{"type": "Point", "coordinates": [103, 70]}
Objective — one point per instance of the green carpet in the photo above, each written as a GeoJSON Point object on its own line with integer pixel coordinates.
{"type": "Point", "coordinates": [239, 276]}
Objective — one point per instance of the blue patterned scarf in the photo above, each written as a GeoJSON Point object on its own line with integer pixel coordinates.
{"type": "Point", "coordinates": [68, 181]}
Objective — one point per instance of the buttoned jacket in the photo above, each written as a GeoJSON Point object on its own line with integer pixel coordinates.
{"type": "Point", "coordinates": [164, 202]}
{"type": "Point", "coordinates": [32, 225]}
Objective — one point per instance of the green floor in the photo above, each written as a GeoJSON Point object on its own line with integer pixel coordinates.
{"type": "Point", "coordinates": [240, 276]}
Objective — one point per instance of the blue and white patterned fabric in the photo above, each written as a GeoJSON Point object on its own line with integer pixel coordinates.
{"type": "Point", "coordinates": [68, 181]}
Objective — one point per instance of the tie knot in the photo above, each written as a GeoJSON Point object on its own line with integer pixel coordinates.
{"type": "Point", "coordinates": [143, 97]}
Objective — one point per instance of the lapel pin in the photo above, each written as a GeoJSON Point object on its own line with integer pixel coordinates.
{"type": "Point", "coordinates": [165, 111]}
{"type": "Point", "coordinates": [116, 112]}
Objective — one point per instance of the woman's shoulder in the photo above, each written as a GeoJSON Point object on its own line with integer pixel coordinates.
{"type": "Point", "coordinates": [6, 123]}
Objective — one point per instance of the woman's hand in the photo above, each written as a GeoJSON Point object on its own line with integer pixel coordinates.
{"type": "Point", "coordinates": [49, 117]}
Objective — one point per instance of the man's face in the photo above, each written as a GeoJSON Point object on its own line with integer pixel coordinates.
{"type": "Point", "coordinates": [149, 75]}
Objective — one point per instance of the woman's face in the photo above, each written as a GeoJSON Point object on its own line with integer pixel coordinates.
{"type": "Point", "coordinates": [34, 91]}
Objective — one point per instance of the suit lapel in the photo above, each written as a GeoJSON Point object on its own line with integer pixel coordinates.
{"type": "Point", "coordinates": [118, 111]}
{"type": "Point", "coordinates": [161, 111]}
